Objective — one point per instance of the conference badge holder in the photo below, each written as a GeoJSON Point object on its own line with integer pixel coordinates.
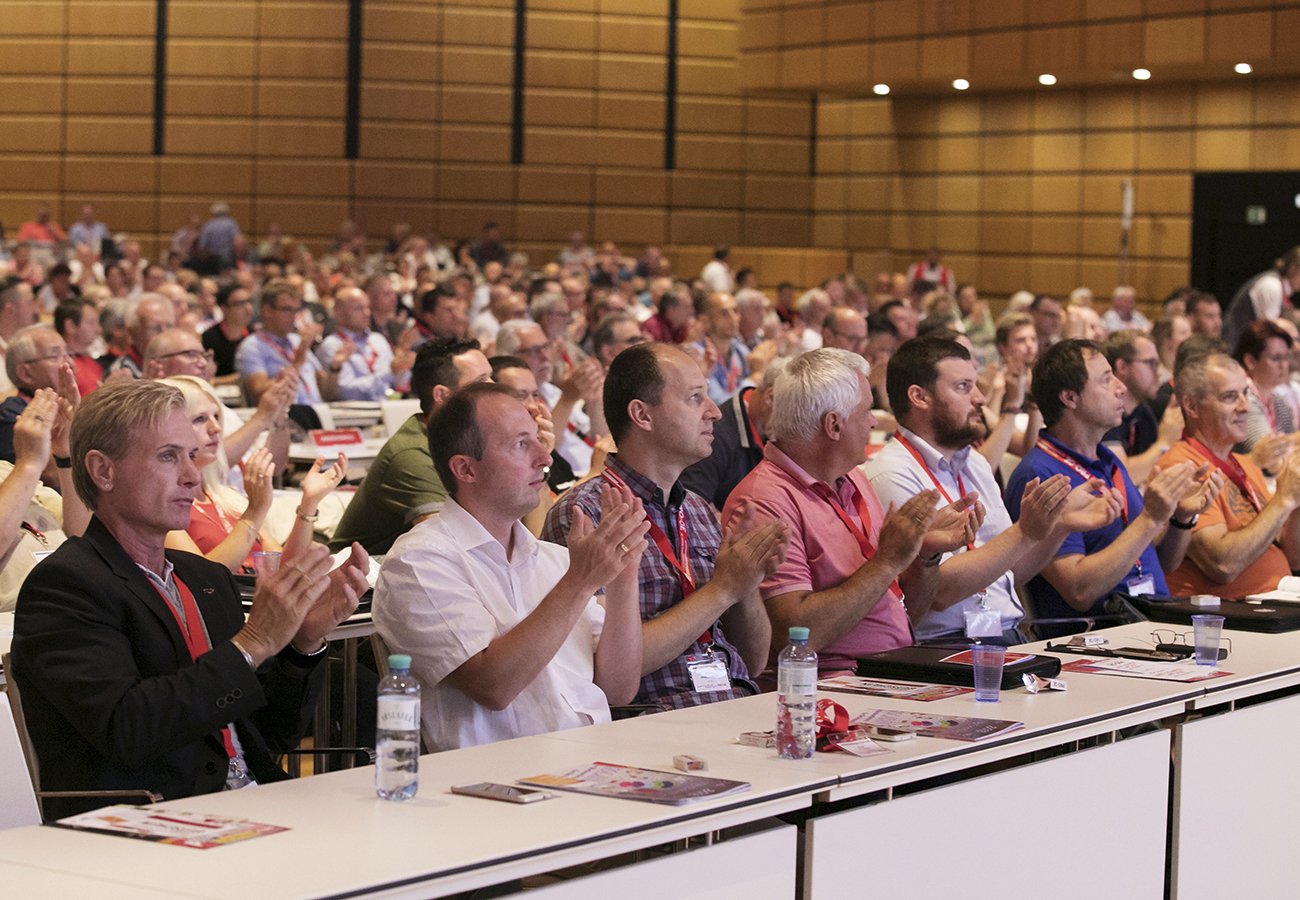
{"type": "Point", "coordinates": [983, 622]}
{"type": "Point", "coordinates": [708, 673]}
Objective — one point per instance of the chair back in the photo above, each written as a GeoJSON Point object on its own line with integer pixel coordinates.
{"type": "Point", "coordinates": [17, 795]}
{"type": "Point", "coordinates": [396, 412]}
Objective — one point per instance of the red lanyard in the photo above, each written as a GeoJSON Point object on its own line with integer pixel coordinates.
{"type": "Point", "coordinates": [586, 438]}
{"type": "Point", "coordinates": [267, 339]}
{"type": "Point", "coordinates": [860, 534]}
{"type": "Point", "coordinates": [916, 454]}
{"type": "Point", "coordinates": [39, 535]}
{"type": "Point", "coordinates": [1231, 468]}
{"type": "Point", "coordinates": [191, 625]}
{"type": "Point", "coordinates": [753, 429]}
{"type": "Point", "coordinates": [371, 355]}
{"type": "Point", "coordinates": [1116, 478]}
{"type": "Point", "coordinates": [680, 565]}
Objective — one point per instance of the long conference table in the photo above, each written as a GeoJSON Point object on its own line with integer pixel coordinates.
{"type": "Point", "coordinates": [1119, 787]}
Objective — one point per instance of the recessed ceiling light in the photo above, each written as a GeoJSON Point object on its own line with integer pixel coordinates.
{"type": "Point", "coordinates": [1142, 74]}
{"type": "Point", "coordinates": [1047, 79]}
{"type": "Point", "coordinates": [960, 84]}
{"type": "Point", "coordinates": [880, 90]}
{"type": "Point", "coordinates": [1243, 68]}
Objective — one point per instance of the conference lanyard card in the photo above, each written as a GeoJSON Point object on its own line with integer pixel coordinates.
{"type": "Point", "coordinates": [1140, 585]}
{"type": "Point", "coordinates": [708, 674]}
{"type": "Point", "coordinates": [983, 623]}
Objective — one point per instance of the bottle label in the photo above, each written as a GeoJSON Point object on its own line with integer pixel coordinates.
{"type": "Point", "coordinates": [398, 713]}
{"type": "Point", "coordinates": [796, 680]}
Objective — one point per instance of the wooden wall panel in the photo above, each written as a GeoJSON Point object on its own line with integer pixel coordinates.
{"type": "Point", "coordinates": [1031, 196]}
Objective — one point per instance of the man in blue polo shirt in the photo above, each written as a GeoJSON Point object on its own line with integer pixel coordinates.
{"type": "Point", "coordinates": [1081, 399]}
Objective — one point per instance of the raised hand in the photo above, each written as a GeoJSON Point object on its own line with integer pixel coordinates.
{"type": "Point", "coordinates": [258, 472]}
{"type": "Point", "coordinates": [319, 481]}
{"type": "Point", "coordinates": [32, 430]}
{"type": "Point", "coordinates": [1089, 506]}
{"type": "Point", "coordinates": [749, 553]}
{"type": "Point", "coordinates": [282, 602]}
{"type": "Point", "coordinates": [904, 529]}
{"type": "Point", "coordinates": [1209, 481]}
{"type": "Point", "coordinates": [1042, 505]}
{"type": "Point", "coordinates": [343, 589]}
{"type": "Point", "coordinates": [616, 543]}
{"type": "Point", "coordinates": [1167, 488]}
{"type": "Point", "coordinates": [954, 525]}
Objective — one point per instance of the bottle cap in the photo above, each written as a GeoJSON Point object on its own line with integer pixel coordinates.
{"type": "Point", "coordinates": [798, 633]}
{"type": "Point", "coordinates": [399, 661]}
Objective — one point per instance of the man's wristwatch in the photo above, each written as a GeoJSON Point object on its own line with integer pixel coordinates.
{"type": "Point", "coordinates": [1184, 526]}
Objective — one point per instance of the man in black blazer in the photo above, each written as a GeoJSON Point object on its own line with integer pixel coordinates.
{"type": "Point", "coordinates": [136, 666]}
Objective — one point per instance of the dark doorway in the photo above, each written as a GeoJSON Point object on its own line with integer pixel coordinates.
{"type": "Point", "coordinates": [1227, 247]}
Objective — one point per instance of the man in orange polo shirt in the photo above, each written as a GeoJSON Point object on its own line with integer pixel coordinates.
{"type": "Point", "coordinates": [1249, 537]}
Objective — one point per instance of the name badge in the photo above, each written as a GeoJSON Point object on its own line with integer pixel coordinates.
{"type": "Point", "coordinates": [708, 674]}
{"type": "Point", "coordinates": [983, 623]}
{"type": "Point", "coordinates": [1140, 585]}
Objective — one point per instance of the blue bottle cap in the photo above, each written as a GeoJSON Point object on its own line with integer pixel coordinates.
{"type": "Point", "coordinates": [402, 661]}
{"type": "Point", "coordinates": [798, 633]}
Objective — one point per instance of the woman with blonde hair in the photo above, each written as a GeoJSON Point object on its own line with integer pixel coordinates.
{"type": "Point", "coordinates": [225, 525]}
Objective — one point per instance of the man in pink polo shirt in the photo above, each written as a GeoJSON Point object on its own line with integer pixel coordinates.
{"type": "Point", "coordinates": [849, 562]}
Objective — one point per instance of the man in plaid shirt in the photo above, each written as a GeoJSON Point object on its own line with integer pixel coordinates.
{"type": "Point", "coordinates": [704, 627]}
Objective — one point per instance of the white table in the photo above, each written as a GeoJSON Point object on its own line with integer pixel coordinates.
{"type": "Point", "coordinates": [887, 820]}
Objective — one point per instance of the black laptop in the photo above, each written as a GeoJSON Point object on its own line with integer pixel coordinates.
{"type": "Point", "coordinates": [1238, 615]}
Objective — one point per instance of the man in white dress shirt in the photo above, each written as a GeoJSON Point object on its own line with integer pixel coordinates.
{"type": "Point", "coordinates": [505, 632]}
{"type": "Point", "coordinates": [932, 388]}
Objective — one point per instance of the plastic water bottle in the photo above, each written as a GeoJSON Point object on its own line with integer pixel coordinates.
{"type": "Point", "coordinates": [397, 732]}
{"type": "Point", "coordinates": [796, 697]}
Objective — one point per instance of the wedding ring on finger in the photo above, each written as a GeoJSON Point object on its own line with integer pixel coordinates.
{"type": "Point", "coordinates": [624, 548]}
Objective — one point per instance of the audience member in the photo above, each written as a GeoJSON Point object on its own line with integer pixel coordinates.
{"type": "Point", "coordinates": [1081, 400]}
{"type": "Point", "coordinates": [1123, 314]}
{"type": "Point", "coordinates": [1264, 352]}
{"type": "Point", "coordinates": [1047, 316]}
{"type": "Point", "coordinates": [35, 519]}
{"type": "Point", "coordinates": [738, 439]}
{"type": "Point", "coordinates": [224, 338]}
{"type": "Point", "coordinates": [615, 333]}
{"type": "Point", "coordinates": [932, 273]}
{"type": "Point", "coordinates": [504, 632]}
{"type": "Point", "coordinates": [104, 623]}
{"type": "Point", "coordinates": [280, 344]}
{"type": "Point", "coordinates": [1140, 438]}
{"type": "Point", "coordinates": [37, 358]}
{"type": "Point", "coordinates": [1249, 536]}
{"type": "Point", "coordinates": [1205, 314]}
{"type": "Point", "coordinates": [704, 629]}
{"type": "Point", "coordinates": [151, 315]}
{"type": "Point", "coordinates": [1265, 296]}
{"type": "Point", "coordinates": [366, 365]}
{"type": "Point", "coordinates": [401, 487]}
{"type": "Point", "coordinates": [937, 403]}
{"type": "Point", "coordinates": [77, 322]}
{"type": "Point", "coordinates": [716, 274]}
{"type": "Point", "coordinates": [730, 356]}
{"type": "Point", "coordinates": [840, 575]}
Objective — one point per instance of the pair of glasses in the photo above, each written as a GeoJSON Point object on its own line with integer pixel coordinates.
{"type": "Point", "coordinates": [1186, 638]}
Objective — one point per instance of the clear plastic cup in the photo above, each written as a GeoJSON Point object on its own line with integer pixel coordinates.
{"type": "Point", "coordinates": [266, 562]}
{"type": "Point", "coordinates": [1206, 631]}
{"type": "Point", "coordinates": [988, 660]}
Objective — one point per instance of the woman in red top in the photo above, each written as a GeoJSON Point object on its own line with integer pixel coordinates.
{"type": "Point", "coordinates": [227, 526]}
